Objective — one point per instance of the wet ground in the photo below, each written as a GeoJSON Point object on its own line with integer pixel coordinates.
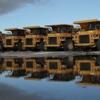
{"type": "Point", "coordinates": [20, 89]}
{"type": "Point", "coordinates": [69, 83]}
{"type": "Point", "coordinates": [28, 54]}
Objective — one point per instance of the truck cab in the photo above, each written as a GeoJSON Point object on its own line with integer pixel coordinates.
{"type": "Point", "coordinates": [34, 38]}
{"type": "Point", "coordinates": [59, 36]}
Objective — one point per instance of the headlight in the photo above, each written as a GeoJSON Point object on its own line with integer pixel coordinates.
{"type": "Point", "coordinates": [95, 35]}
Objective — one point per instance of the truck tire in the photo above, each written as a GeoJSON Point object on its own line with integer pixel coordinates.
{"type": "Point", "coordinates": [68, 45]}
{"type": "Point", "coordinates": [42, 60]}
{"type": "Point", "coordinates": [98, 60]}
{"type": "Point", "coordinates": [98, 45]}
{"type": "Point", "coordinates": [1, 47]}
{"type": "Point", "coordinates": [41, 46]}
{"type": "Point", "coordinates": [69, 61]}
{"type": "Point", "coordinates": [20, 46]}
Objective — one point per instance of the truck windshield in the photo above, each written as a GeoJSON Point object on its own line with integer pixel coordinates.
{"type": "Point", "coordinates": [94, 25]}
{"type": "Point", "coordinates": [64, 29]}
{"type": "Point", "coordinates": [18, 33]}
{"type": "Point", "coordinates": [39, 31]}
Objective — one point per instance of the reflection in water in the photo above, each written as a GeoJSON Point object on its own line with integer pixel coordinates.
{"type": "Point", "coordinates": [88, 68]}
{"type": "Point", "coordinates": [37, 68]}
{"type": "Point", "coordinates": [58, 69]}
{"type": "Point", "coordinates": [51, 78]}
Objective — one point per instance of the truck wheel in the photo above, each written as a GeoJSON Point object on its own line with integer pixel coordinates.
{"type": "Point", "coordinates": [20, 46]}
{"type": "Point", "coordinates": [98, 45]}
{"type": "Point", "coordinates": [1, 46]}
{"type": "Point", "coordinates": [42, 60]}
{"type": "Point", "coordinates": [41, 46]}
{"type": "Point", "coordinates": [20, 62]}
{"type": "Point", "coordinates": [68, 45]}
{"type": "Point", "coordinates": [98, 60]}
{"type": "Point", "coordinates": [69, 61]}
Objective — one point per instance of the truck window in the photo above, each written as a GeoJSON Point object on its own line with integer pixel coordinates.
{"type": "Point", "coordinates": [43, 32]}
{"type": "Point", "coordinates": [64, 29]}
{"type": "Point", "coordinates": [37, 31]}
{"type": "Point", "coordinates": [94, 25]}
{"type": "Point", "coordinates": [18, 33]}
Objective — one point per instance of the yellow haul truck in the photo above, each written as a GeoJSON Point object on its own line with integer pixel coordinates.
{"type": "Point", "coordinates": [35, 66]}
{"type": "Point", "coordinates": [89, 35]}
{"type": "Point", "coordinates": [12, 41]}
{"type": "Point", "coordinates": [34, 38]}
{"type": "Point", "coordinates": [87, 65]}
{"type": "Point", "coordinates": [62, 67]}
{"type": "Point", "coordinates": [89, 80]}
{"type": "Point", "coordinates": [15, 65]}
{"type": "Point", "coordinates": [59, 36]}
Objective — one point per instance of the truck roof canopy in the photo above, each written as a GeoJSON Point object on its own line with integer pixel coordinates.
{"type": "Point", "coordinates": [86, 21]}
{"type": "Point", "coordinates": [12, 29]}
{"type": "Point", "coordinates": [56, 25]}
{"type": "Point", "coordinates": [33, 27]}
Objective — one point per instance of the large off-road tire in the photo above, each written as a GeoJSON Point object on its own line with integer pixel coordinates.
{"type": "Point", "coordinates": [98, 45]}
{"type": "Point", "coordinates": [68, 45]}
{"type": "Point", "coordinates": [1, 47]}
{"type": "Point", "coordinates": [98, 60]}
{"type": "Point", "coordinates": [41, 46]}
{"type": "Point", "coordinates": [20, 62]}
{"type": "Point", "coordinates": [69, 61]}
{"type": "Point", "coordinates": [20, 46]}
{"type": "Point", "coordinates": [42, 60]}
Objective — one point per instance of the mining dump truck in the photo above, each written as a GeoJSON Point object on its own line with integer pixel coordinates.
{"type": "Point", "coordinates": [89, 35]}
{"type": "Point", "coordinates": [59, 37]}
{"type": "Point", "coordinates": [62, 67]}
{"type": "Point", "coordinates": [87, 65]}
{"type": "Point", "coordinates": [12, 41]}
{"type": "Point", "coordinates": [35, 66]}
{"type": "Point", "coordinates": [34, 38]}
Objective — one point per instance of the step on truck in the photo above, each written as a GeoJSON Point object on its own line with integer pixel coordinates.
{"type": "Point", "coordinates": [33, 40]}
{"type": "Point", "coordinates": [59, 36]}
{"type": "Point", "coordinates": [89, 35]}
{"type": "Point", "coordinates": [12, 41]}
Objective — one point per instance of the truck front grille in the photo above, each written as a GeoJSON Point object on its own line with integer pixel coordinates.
{"type": "Point", "coordinates": [52, 40]}
{"type": "Point", "coordinates": [53, 65]}
{"type": "Point", "coordinates": [29, 64]}
{"type": "Point", "coordinates": [29, 41]}
{"type": "Point", "coordinates": [84, 66]}
{"type": "Point", "coordinates": [8, 42]}
{"type": "Point", "coordinates": [84, 39]}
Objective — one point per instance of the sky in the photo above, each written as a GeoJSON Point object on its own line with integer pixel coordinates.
{"type": "Point", "coordinates": [20, 13]}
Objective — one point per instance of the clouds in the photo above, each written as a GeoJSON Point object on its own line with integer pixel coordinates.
{"type": "Point", "coordinates": [7, 6]}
